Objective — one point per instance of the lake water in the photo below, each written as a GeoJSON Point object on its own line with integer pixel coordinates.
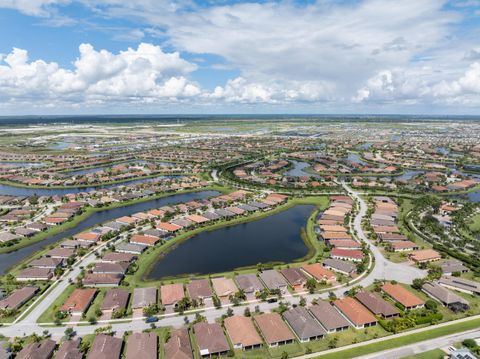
{"type": "Point", "coordinates": [275, 238]}
{"type": "Point", "coordinates": [353, 157]}
{"type": "Point", "coordinates": [8, 260]}
{"type": "Point", "coordinates": [408, 175]}
{"type": "Point", "coordinates": [26, 191]}
{"type": "Point", "coordinates": [298, 170]}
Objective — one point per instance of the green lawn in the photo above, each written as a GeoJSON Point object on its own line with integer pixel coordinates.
{"type": "Point", "coordinates": [474, 223]}
{"type": "Point", "coordinates": [431, 354]}
{"type": "Point", "coordinates": [402, 341]}
{"type": "Point", "coordinates": [48, 315]}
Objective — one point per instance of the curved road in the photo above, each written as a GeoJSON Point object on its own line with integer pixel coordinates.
{"type": "Point", "coordinates": [384, 269]}
{"type": "Point", "coordinates": [27, 324]}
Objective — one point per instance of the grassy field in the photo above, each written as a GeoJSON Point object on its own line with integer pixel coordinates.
{"type": "Point", "coordinates": [431, 354]}
{"type": "Point", "coordinates": [474, 223]}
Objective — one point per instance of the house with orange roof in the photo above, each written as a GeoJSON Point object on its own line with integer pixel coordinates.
{"type": "Point", "coordinates": [79, 301]}
{"type": "Point", "coordinates": [317, 271]}
{"type": "Point", "coordinates": [425, 256]}
{"type": "Point", "coordinates": [403, 296]}
{"type": "Point", "coordinates": [169, 227]}
{"type": "Point", "coordinates": [171, 294]}
{"type": "Point", "coordinates": [359, 316]}
{"type": "Point", "coordinates": [146, 240]}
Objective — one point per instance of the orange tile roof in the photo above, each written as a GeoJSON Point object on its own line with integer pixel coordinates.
{"type": "Point", "coordinates": [147, 240]}
{"type": "Point", "coordinates": [171, 293]}
{"type": "Point", "coordinates": [318, 272]}
{"type": "Point", "coordinates": [79, 300]}
{"type": "Point", "coordinates": [169, 227]}
{"type": "Point", "coordinates": [402, 295]}
{"type": "Point", "coordinates": [354, 311]}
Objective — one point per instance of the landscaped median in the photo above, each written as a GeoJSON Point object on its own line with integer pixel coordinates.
{"type": "Point", "coordinates": [403, 339]}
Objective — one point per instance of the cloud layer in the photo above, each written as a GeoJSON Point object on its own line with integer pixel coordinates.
{"type": "Point", "coordinates": [354, 55]}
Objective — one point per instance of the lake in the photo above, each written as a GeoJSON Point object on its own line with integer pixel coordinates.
{"type": "Point", "coordinates": [298, 170]}
{"type": "Point", "coordinates": [275, 238]}
{"type": "Point", "coordinates": [8, 260]}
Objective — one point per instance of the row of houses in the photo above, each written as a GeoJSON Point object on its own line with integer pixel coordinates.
{"type": "Point", "coordinates": [384, 224]}
{"type": "Point", "coordinates": [200, 290]}
{"type": "Point", "coordinates": [333, 229]}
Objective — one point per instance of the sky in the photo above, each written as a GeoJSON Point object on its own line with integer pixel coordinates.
{"type": "Point", "coordinates": [232, 56]}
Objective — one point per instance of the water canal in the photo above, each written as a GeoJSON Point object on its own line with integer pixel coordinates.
{"type": "Point", "coordinates": [8, 260]}
{"type": "Point", "coordinates": [275, 238]}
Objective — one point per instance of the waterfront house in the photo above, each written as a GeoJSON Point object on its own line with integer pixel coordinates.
{"type": "Point", "coordinates": [144, 297]}
{"type": "Point", "coordinates": [224, 288]}
{"type": "Point", "coordinates": [131, 248]}
{"type": "Point", "coordinates": [340, 266]}
{"type": "Point", "coordinates": [249, 283]}
{"type": "Point", "coordinates": [345, 254]}
{"type": "Point", "coordinates": [199, 289]}
{"type": "Point", "coordinates": [274, 280]}
{"type": "Point", "coordinates": [295, 277]}
{"type": "Point", "coordinates": [320, 274]}
{"type": "Point", "coordinates": [46, 262]}
{"type": "Point", "coordinates": [60, 253]}
{"type": "Point", "coordinates": [144, 240]}
{"type": "Point", "coordinates": [116, 257]}
{"type": "Point", "coordinates": [171, 294]}
{"type": "Point", "coordinates": [33, 274]}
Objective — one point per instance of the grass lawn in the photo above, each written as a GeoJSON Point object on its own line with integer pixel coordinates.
{"type": "Point", "coordinates": [431, 354]}
{"type": "Point", "coordinates": [402, 341]}
{"type": "Point", "coordinates": [48, 315]}
{"type": "Point", "coordinates": [474, 223]}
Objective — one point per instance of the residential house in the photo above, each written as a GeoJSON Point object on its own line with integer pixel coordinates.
{"type": "Point", "coordinates": [273, 329]}
{"type": "Point", "coordinates": [305, 327]}
{"type": "Point", "coordinates": [242, 333]}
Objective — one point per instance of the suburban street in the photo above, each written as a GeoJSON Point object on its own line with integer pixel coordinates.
{"type": "Point", "coordinates": [384, 269]}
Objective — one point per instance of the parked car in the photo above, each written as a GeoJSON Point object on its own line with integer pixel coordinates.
{"type": "Point", "coordinates": [151, 319]}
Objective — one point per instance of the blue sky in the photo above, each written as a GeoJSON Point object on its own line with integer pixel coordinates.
{"type": "Point", "coordinates": [163, 56]}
